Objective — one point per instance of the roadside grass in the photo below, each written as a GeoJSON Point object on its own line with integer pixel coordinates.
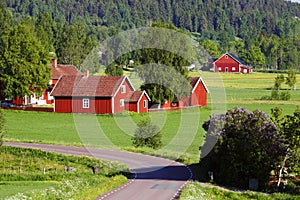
{"type": "Point", "coordinates": [37, 174]}
{"type": "Point", "coordinates": [9, 188]}
{"type": "Point", "coordinates": [193, 191]}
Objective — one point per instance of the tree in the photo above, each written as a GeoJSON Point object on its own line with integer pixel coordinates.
{"type": "Point", "coordinates": [114, 70]}
{"type": "Point", "coordinates": [291, 79]}
{"type": "Point", "coordinates": [24, 63]}
{"type": "Point", "coordinates": [147, 135]}
{"type": "Point", "coordinates": [278, 81]}
{"type": "Point", "coordinates": [289, 129]}
{"type": "Point", "coordinates": [211, 48]}
{"type": "Point", "coordinates": [248, 147]}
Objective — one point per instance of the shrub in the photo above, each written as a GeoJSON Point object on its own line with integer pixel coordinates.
{"type": "Point", "coordinates": [248, 147]}
{"type": "Point", "coordinates": [147, 135]}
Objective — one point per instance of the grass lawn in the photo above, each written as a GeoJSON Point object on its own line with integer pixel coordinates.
{"type": "Point", "coordinates": [109, 131]}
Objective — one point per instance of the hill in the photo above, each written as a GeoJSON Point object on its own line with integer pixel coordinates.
{"type": "Point", "coordinates": [263, 33]}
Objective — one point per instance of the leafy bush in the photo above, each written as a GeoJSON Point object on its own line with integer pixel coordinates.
{"type": "Point", "coordinates": [248, 147]}
{"type": "Point", "coordinates": [147, 135]}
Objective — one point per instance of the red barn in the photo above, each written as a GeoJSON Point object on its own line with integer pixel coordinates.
{"type": "Point", "coordinates": [230, 63]}
{"type": "Point", "coordinates": [97, 94]}
{"type": "Point", "coordinates": [197, 97]}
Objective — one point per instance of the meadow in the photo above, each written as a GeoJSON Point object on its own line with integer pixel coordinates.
{"type": "Point", "coordinates": [35, 174]}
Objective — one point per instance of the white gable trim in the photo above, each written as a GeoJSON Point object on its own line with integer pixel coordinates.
{"type": "Point", "coordinates": [120, 85]}
{"type": "Point", "coordinates": [138, 102]}
{"type": "Point", "coordinates": [196, 85]}
{"type": "Point", "coordinates": [55, 85]}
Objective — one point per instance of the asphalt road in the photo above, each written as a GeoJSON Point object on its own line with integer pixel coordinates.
{"type": "Point", "coordinates": [154, 178]}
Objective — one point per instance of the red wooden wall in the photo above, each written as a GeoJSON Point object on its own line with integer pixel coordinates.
{"type": "Point", "coordinates": [199, 97]}
{"type": "Point", "coordinates": [119, 95]}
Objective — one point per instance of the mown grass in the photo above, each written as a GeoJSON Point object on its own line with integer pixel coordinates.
{"type": "Point", "coordinates": [193, 191]}
{"type": "Point", "coordinates": [36, 174]}
{"type": "Point", "coordinates": [243, 90]}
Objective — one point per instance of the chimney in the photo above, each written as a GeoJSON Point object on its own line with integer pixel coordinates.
{"type": "Point", "coordinates": [86, 73]}
{"type": "Point", "coordinates": [54, 62]}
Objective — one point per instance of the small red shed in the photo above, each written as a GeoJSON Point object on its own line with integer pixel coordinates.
{"type": "Point", "coordinates": [137, 101]}
{"type": "Point", "coordinates": [92, 94]}
{"type": "Point", "coordinates": [230, 63]}
{"type": "Point", "coordinates": [197, 97]}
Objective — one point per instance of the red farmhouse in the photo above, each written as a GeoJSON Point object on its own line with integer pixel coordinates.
{"type": "Point", "coordinates": [58, 70]}
{"type": "Point", "coordinates": [230, 63]}
{"type": "Point", "coordinates": [97, 94]}
{"type": "Point", "coordinates": [198, 95]}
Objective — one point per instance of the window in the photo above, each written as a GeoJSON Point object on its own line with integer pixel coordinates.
{"type": "Point", "coordinates": [233, 68]}
{"type": "Point", "coordinates": [85, 103]}
{"type": "Point", "coordinates": [174, 104]}
{"type": "Point", "coordinates": [121, 102]}
{"type": "Point", "coordinates": [226, 57]}
{"type": "Point", "coordinates": [123, 89]}
{"type": "Point", "coordinates": [145, 103]}
{"type": "Point", "coordinates": [220, 69]}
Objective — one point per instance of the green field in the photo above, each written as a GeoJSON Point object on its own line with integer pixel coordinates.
{"type": "Point", "coordinates": [115, 131]}
{"type": "Point", "coordinates": [36, 174]}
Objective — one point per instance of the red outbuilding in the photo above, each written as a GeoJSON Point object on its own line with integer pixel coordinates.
{"type": "Point", "coordinates": [97, 94]}
{"type": "Point", "coordinates": [137, 101]}
{"type": "Point", "coordinates": [197, 97]}
{"type": "Point", "coordinates": [230, 63]}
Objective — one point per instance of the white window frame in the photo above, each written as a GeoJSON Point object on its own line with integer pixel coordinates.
{"type": "Point", "coordinates": [233, 68]}
{"type": "Point", "coordinates": [122, 103]}
{"type": "Point", "coordinates": [226, 56]}
{"type": "Point", "coordinates": [85, 103]}
{"type": "Point", "coordinates": [145, 103]}
{"type": "Point", "coordinates": [220, 69]}
{"type": "Point", "coordinates": [123, 89]}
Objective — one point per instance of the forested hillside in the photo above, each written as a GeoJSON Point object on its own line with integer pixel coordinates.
{"type": "Point", "coordinates": [264, 33]}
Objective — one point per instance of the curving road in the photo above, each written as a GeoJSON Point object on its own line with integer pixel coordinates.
{"type": "Point", "coordinates": [154, 178]}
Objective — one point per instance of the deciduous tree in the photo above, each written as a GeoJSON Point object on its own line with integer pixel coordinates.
{"type": "Point", "coordinates": [24, 63]}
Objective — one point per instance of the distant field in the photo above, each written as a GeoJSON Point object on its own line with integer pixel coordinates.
{"type": "Point", "coordinates": [243, 90]}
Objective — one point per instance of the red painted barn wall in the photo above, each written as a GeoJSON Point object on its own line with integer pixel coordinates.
{"type": "Point", "coordinates": [199, 96]}
{"type": "Point", "coordinates": [103, 105]}
{"type": "Point", "coordinates": [140, 104]}
{"type": "Point", "coordinates": [63, 104]}
{"type": "Point", "coordinates": [75, 105]}
{"type": "Point", "coordinates": [132, 106]}
{"type": "Point", "coordinates": [229, 63]}
{"type": "Point", "coordinates": [119, 95]}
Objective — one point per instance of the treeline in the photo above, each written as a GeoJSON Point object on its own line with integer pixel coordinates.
{"type": "Point", "coordinates": [263, 33]}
